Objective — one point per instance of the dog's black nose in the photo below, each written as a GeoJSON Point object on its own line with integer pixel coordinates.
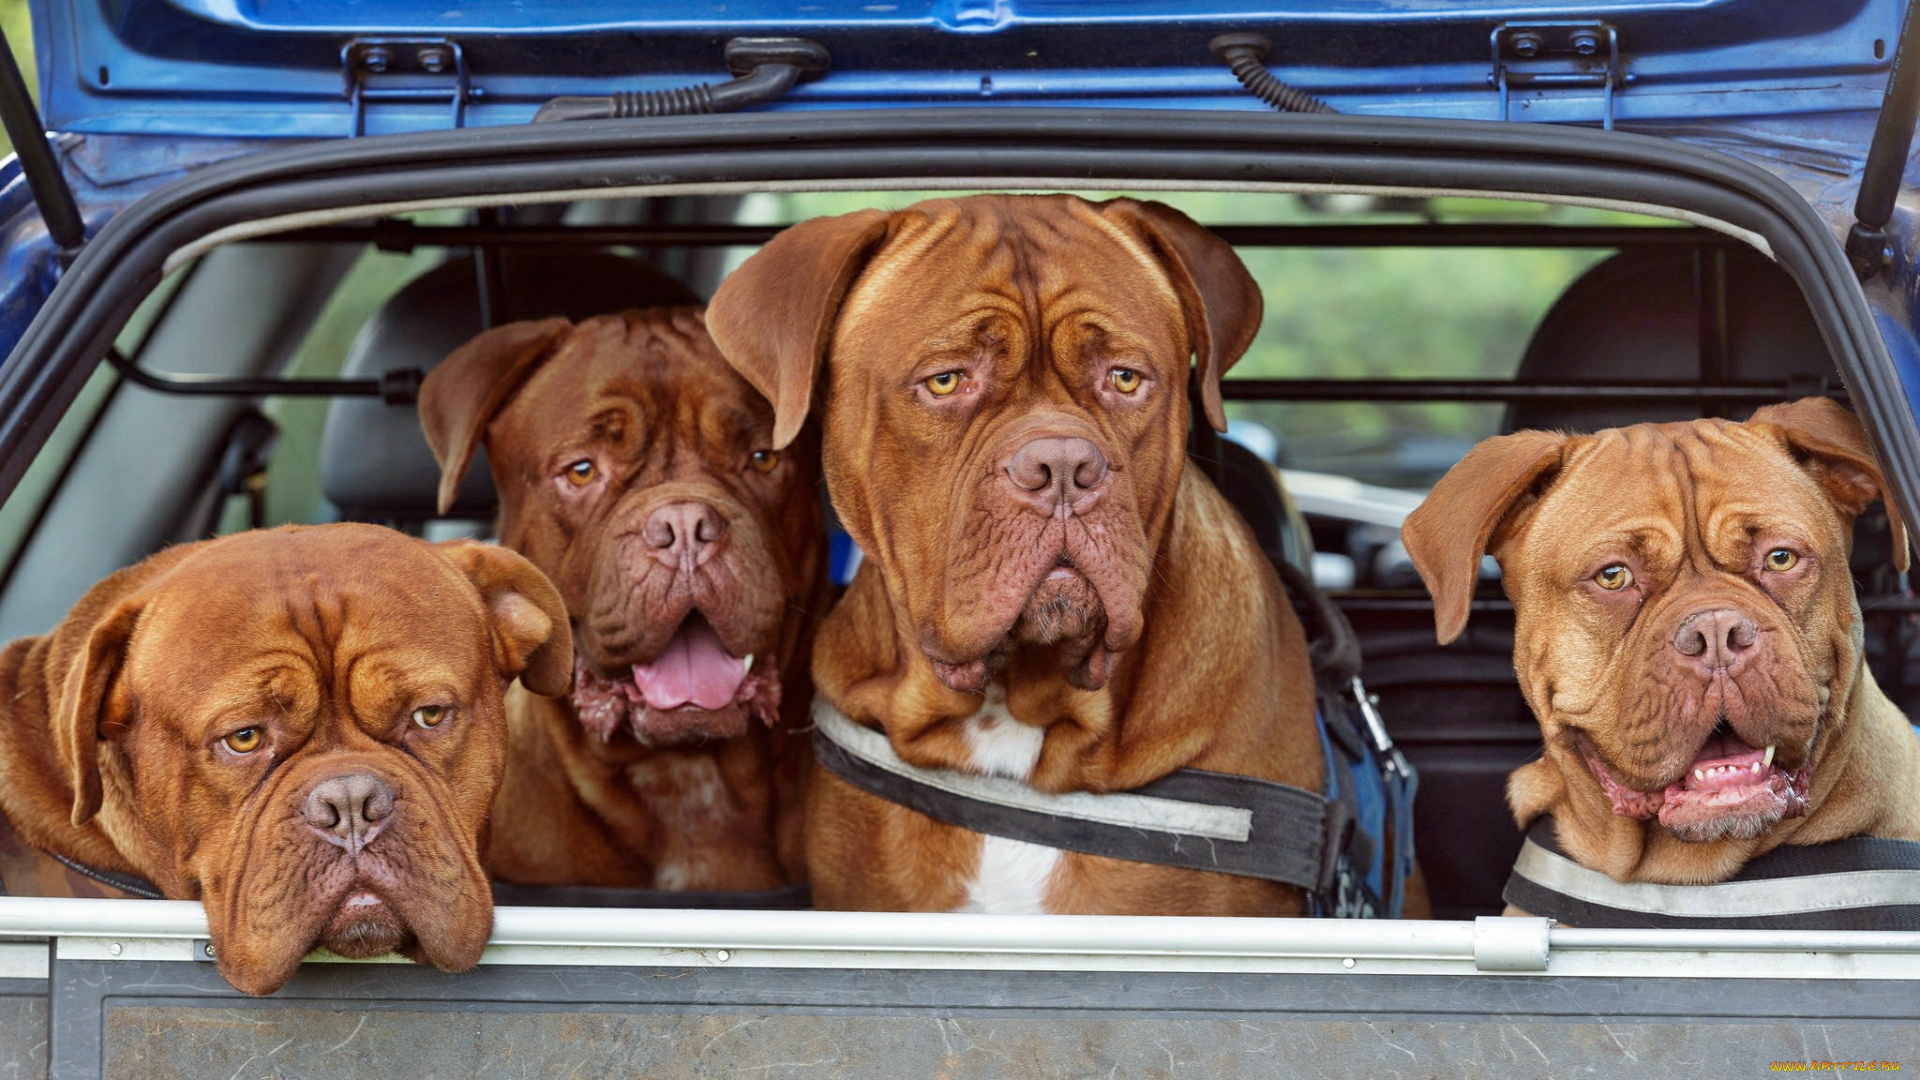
{"type": "Point", "coordinates": [348, 810]}
{"type": "Point", "coordinates": [1715, 640]}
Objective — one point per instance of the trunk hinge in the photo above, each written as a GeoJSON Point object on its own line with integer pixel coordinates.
{"type": "Point", "coordinates": [405, 70]}
{"type": "Point", "coordinates": [1867, 246]}
{"type": "Point", "coordinates": [1578, 53]}
{"type": "Point", "coordinates": [38, 163]}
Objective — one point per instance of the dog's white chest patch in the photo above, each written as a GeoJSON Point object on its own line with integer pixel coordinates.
{"type": "Point", "coordinates": [1012, 876]}
{"type": "Point", "coordinates": [690, 800]}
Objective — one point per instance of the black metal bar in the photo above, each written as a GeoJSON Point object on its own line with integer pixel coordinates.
{"type": "Point", "coordinates": [1380, 602]}
{"type": "Point", "coordinates": [1710, 287]}
{"type": "Point", "coordinates": [399, 387]}
{"type": "Point", "coordinates": [395, 386]}
{"type": "Point", "coordinates": [404, 236]}
{"type": "Point", "coordinates": [1887, 156]}
{"type": "Point", "coordinates": [487, 273]}
{"type": "Point", "coordinates": [1385, 601]}
{"type": "Point", "coordinates": [1498, 390]}
{"type": "Point", "coordinates": [37, 161]}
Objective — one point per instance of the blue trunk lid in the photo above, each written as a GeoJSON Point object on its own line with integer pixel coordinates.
{"type": "Point", "coordinates": [145, 90]}
{"type": "Point", "coordinates": [287, 68]}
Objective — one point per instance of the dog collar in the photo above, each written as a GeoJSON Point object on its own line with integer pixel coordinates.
{"type": "Point", "coordinates": [1860, 883]}
{"type": "Point", "coordinates": [126, 883]}
{"type": "Point", "coordinates": [1190, 818]}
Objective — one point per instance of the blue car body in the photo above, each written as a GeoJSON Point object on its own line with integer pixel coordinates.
{"type": "Point", "coordinates": [141, 91]}
{"type": "Point", "coordinates": [181, 125]}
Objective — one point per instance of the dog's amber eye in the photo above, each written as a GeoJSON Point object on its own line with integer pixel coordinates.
{"type": "Point", "coordinates": [1613, 578]}
{"type": "Point", "coordinates": [944, 383]}
{"type": "Point", "coordinates": [1125, 380]}
{"type": "Point", "coordinates": [245, 741]}
{"type": "Point", "coordinates": [764, 460]}
{"type": "Point", "coordinates": [1780, 560]}
{"type": "Point", "coordinates": [429, 716]}
{"type": "Point", "coordinates": [581, 473]}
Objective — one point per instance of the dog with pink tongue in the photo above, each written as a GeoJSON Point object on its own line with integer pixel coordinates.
{"type": "Point", "coordinates": [637, 470]}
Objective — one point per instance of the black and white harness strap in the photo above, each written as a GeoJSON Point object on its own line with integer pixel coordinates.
{"type": "Point", "coordinates": [1190, 818]}
{"type": "Point", "coordinates": [1861, 883]}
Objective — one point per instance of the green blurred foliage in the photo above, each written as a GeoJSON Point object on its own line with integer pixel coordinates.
{"type": "Point", "coordinates": [13, 20]}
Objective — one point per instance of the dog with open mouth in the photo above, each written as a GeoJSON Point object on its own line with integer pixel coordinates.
{"type": "Point", "coordinates": [639, 472]}
{"type": "Point", "coordinates": [1687, 635]}
{"type": "Point", "coordinates": [1051, 593]}
{"type": "Point", "coordinates": [302, 728]}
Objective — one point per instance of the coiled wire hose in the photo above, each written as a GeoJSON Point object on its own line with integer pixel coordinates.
{"type": "Point", "coordinates": [1243, 54]}
{"type": "Point", "coordinates": [769, 68]}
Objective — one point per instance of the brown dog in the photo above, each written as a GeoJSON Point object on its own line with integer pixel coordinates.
{"type": "Point", "coordinates": [301, 728]}
{"type": "Point", "coordinates": [639, 472]}
{"type": "Point", "coordinates": [1050, 591]}
{"type": "Point", "coordinates": [1687, 634]}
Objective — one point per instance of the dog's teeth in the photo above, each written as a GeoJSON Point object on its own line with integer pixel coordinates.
{"type": "Point", "coordinates": [1768, 760]}
{"type": "Point", "coordinates": [1698, 775]}
{"type": "Point", "coordinates": [746, 666]}
{"type": "Point", "coordinates": [1756, 768]}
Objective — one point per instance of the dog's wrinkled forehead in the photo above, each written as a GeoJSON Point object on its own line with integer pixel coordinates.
{"type": "Point", "coordinates": [376, 613]}
{"type": "Point", "coordinates": [627, 383]}
{"type": "Point", "coordinates": [1661, 490]}
{"type": "Point", "coordinates": [952, 273]}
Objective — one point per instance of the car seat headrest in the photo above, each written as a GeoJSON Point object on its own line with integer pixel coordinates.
{"type": "Point", "coordinates": [375, 464]}
{"type": "Point", "coordinates": [1642, 315]}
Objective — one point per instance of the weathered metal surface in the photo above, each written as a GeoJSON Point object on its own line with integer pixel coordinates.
{"type": "Point", "coordinates": [200, 1041]}
{"type": "Point", "coordinates": [23, 1037]}
{"type": "Point", "coordinates": [161, 1019]}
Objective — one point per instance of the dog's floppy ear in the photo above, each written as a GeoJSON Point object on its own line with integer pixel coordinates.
{"type": "Point", "coordinates": [87, 701]}
{"type": "Point", "coordinates": [1448, 533]}
{"type": "Point", "coordinates": [1830, 444]}
{"type": "Point", "coordinates": [81, 714]}
{"type": "Point", "coordinates": [531, 636]}
{"type": "Point", "coordinates": [461, 396]}
{"type": "Point", "coordinates": [1221, 300]}
{"type": "Point", "coordinates": [773, 317]}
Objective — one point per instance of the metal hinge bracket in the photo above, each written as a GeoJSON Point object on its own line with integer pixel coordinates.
{"type": "Point", "coordinates": [405, 69]}
{"type": "Point", "coordinates": [1582, 53]}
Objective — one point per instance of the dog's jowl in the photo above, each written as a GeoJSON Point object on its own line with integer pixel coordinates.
{"type": "Point", "coordinates": [301, 728]}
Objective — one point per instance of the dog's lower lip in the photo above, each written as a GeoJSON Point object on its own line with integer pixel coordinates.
{"type": "Point", "coordinates": [1744, 782]}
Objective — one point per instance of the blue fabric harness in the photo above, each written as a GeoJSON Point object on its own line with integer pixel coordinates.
{"type": "Point", "coordinates": [1365, 770]}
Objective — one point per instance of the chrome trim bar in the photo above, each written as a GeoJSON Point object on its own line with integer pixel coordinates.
{"type": "Point", "coordinates": [172, 930]}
